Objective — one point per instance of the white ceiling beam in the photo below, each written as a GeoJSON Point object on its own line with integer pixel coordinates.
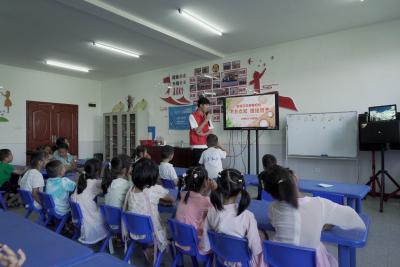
{"type": "Point", "coordinates": [148, 24]}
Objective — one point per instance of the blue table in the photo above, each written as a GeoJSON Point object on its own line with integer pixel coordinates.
{"type": "Point", "coordinates": [41, 246]}
{"type": "Point", "coordinates": [180, 171]}
{"type": "Point", "coordinates": [346, 240]}
{"type": "Point", "coordinates": [353, 192]}
{"type": "Point", "coordinates": [70, 174]}
{"type": "Point", "coordinates": [101, 260]}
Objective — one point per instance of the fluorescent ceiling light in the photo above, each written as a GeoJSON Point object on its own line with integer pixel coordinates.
{"type": "Point", "coordinates": [199, 21]}
{"type": "Point", "coordinates": [66, 65]}
{"type": "Point", "coordinates": [154, 27]}
{"type": "Point", "coordinates": [116, 49]}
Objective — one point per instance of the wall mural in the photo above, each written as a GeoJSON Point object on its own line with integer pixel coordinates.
{"type": "Point", "coordinates": [6, 104]}
{"type": "Point", "coordinates": [174, 91]}
{"type": "Point", "coordinates": [220, 80]}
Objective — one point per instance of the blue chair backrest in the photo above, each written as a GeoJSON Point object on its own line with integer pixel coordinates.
{"type": "Point", "coordinates": [266, 196]}
{"type": "Point", "coordinates": [169, 184]}
{"type": "Point", "coordinates": [287, 255]}
{"type": "Point", "coordinates": [230, 248]}
{"type": "Point", "coordinates": [185, 235]}
{"type": "Point", "coordinates": [26, 197]}
{"type": "Point", "coordinates": [76, 213]}
{"type": "Point", "coordinates": [112, 217]}
{"type": "Point", "coordinates": [139, 225]}
{"type": "Point", "coordinates": [47, 203]}
{"type": "Point", "coordinates": [337, 198]}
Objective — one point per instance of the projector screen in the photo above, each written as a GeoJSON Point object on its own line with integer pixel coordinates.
{"type": "Point", "coordinates": [252, 112]}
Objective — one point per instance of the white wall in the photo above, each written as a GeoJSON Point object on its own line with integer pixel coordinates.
{"type": "Point", "coordinates": [349, 70]}
{"type": "Point", "coordinates": [33, 85]}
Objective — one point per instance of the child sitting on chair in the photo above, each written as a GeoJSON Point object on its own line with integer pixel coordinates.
{"type": "Point", "coordinates": [143, 198]}
{"type": "Point", "coordinates": [64, 156]}
{"type": "Point", "coordinates": [166, 169]}
{"type": "Point", "coordinates": [116, 181]}
{"type": "Point", "coordinates": [194, 200]}
{"type": "Point", "coordinates": [32, 180]}
{"type": "Point", "coordinates": [58, 186]}
{"type": "Point", "coordinates": [300, 220]}
{"type": "Point", "coordinates": [9, 177]}
{"type": "Point", "coordinates": [231, 217]}
{"type": "Point", "coordinates": [89, 186]}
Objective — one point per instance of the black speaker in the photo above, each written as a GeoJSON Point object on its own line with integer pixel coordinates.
{"type": "Point", "coordinates": [373, 134]}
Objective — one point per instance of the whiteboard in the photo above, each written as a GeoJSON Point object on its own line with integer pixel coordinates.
{"type": "Point", "coordinates": [330, 135]}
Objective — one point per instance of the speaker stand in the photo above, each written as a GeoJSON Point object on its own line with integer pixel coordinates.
{"type": "Point", "coordinates": [384, 173]}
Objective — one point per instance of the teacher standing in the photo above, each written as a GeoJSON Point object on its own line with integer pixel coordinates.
{"type": "Point", "coordinates": [200, 127]}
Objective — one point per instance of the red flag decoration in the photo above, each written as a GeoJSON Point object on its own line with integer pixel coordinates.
{"type": "Point", "coordinates": [167, 79]}
{"type": "Point", "coordinates": [178, 102]}
{"type": "Point", "coordinates": [287, 102]}
{"type": "Point", "coordinates": [183, 100]}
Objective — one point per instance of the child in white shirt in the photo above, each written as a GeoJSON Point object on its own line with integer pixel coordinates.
{"type": "Point", "coordinates": [116, 181]}
{"type": "Point", "coordinates": [212, 157]}
{"type": "Point", "coordinates": [228, 217]}
{"type": "Point", "coordinates": [58, 186]}
{"type": "Point", "coordinates": [89, 186]}
{"type": "Point", "coordinates": [143, 198]}
{"type": "Point", "coordinates": [166, 169]}
{"type": "Point", "coordinates": [300, 222]}
{"type": "Point", "coordinates": [33, 179]}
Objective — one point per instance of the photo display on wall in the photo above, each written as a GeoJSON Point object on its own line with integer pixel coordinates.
{"type": "Point", "coordinates": [231, 81]}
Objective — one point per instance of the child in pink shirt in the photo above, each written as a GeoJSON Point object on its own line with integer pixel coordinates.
{"type": "Point", "coordinates": [194, 202]}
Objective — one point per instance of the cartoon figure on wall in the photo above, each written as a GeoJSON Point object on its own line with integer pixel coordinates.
{"type": "Point", "coordinates": [284, 101]}
{"type": "Point", "coordinates": [7, 101]}
{"type": "Point", "coordinates": [7, 104]}
{"type": "Point", "coordinates": [256, 80]}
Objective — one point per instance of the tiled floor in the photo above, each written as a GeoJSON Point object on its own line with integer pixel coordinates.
{"type": "Point", "coordinates": [382, 250]}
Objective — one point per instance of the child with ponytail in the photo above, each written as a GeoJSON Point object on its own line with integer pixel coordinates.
{"type": "Point", "coordinates": [89, 186]}
{"type": "Point", "coordinates": [228, 217]}
{"type": "Point", "coordinates": [116, 181]}
{"type": "Point", "coordinates": [194, 200]}
{"type": "Point", "coordinates": [299, 220]}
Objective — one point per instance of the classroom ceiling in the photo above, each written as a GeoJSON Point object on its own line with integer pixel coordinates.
{"type": "Point", "coordinates": [35, 30]}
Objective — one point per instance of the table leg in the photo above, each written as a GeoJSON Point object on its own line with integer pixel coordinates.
{"type": "Point", "coordinates": [344, 256]}
{"type": "Point", "coordinates": [353, 257]}
{"type": "Point", "coordinates": [359, 205]}
{"type": "Point", "coordinates": [350, 202]}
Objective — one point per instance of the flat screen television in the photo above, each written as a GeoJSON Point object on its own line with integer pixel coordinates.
{"type": "Point", "coordinates": [251, 112]}
{"type": "Point", "coordinates": [382, 113]}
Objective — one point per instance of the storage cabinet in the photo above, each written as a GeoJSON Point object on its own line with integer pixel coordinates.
{"type": "Point", "coordinates": [119, 134]}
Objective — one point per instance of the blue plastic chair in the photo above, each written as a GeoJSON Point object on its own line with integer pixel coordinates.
{"type": "Point", "coordinates": [169, 184]}
{"type": "Point", "coordinates": [266, 196]}
{"type": "Point", "coordinates": [76, 214]}
{"type": "Point", "coordinates": [337, 198]}
{"type": "Point", "coordinates": [27, 201]}
{"type": "Point", "coordinates": [229, 249]}
{"type": "Point", "coordinates": [185, 236]}
{"type": "Point", "coordinates": [287, 255]}
{"type": "Point", "coordinates": [140, 225]}
{"type": "Point", "coordinates": [3, 203]}
{"type": "Point", "coordinates": [112, 221]}
{"type": "Point", "coordinates": [50, 210]}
